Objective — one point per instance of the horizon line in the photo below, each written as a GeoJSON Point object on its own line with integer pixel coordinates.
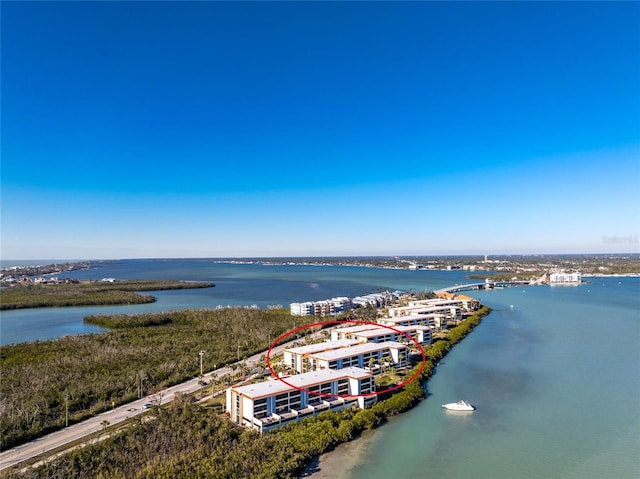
{"type": "Point", "coordinates": [312, 256]}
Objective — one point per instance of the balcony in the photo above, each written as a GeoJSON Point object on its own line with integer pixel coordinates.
{"type": "Point", "coordinates": [335, 403]}
{"type": "Point", "coordinates": [306, 411]}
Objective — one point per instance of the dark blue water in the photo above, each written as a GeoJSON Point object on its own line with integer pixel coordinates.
{"type": "Point", "coordinates": [236, 285]}
{"type": "Point", "coordinates": [554, 371]}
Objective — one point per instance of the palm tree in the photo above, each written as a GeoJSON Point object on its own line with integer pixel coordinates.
{"type": "Point", "coordinates": [401, 359]}
{"type": "Point", "coordinates": [371, 363]}
{"type": "Point", "coordinates": [387, 361]}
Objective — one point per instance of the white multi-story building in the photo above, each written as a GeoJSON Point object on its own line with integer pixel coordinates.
{"type": "Point", "coordinates": [435, 302]}
{"type": "Point", "coordinates": [333, 306]}
{"type": "Point", "coordinates": [449, 310]}
{"type": "Point", "coordinates": [437, 321]}
{"type": "Point", "coordinates": [560, 277]}
{"type": "Point", "coordinates": [467, 303]}
{"type": "Point", "coordinates": [377, 334]}
{"type": "Point", "coordinates": [341, 304]}
{"type": "Point", "coordinates": [361, 355]}
{"type": "Point", "coordinates": [345, 331]}
{"type": "Point", "coordinates": [327, 307]}
{"type": "Point", "coordinates": [295, 358]}
{"type": "Point", "coordinates": [377, 300]}
{"type": "Point", "coordinates": [270, 404]}
{"type": "Point", "coordinates": [302, 309]}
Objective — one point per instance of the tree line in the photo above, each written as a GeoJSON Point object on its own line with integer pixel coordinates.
{"type": "Point", "coordinates": [87, 294]}
{"type": "Point", "coordinates": [185, 440]}
{"type": "Point", "coordinates": [148, 351]}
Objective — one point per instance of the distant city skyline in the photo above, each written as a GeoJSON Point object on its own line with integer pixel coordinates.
{"type": "Point", "coordinates": [265, 129]}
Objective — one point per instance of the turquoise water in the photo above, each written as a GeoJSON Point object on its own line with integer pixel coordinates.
{"type": "Point", "coordinates": [556, 384]}
{"type": "Point", "coordinates": [555, 378]}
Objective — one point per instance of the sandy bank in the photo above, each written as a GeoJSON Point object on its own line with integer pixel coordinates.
{"type": "Point", "coordinates": [339, 463]}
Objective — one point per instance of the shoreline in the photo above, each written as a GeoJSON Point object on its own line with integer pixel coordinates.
{"type": "Point", "coordinates": [393, 263]}
{"type": "Point", "coordinates": [411, 397]}
{"type": "Point", "coordinates": [611, 275]}
{"type": "Point", "coordinates": [337, 463]}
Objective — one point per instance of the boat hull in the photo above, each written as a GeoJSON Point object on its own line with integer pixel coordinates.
{"type": "Point", "coordinates": [459, 406]}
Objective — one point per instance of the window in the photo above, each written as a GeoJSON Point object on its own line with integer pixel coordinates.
{"type": "Point", "coordinates": [352, 361]}
{"type": "Point", "coordinates": [367, 386]}
{"type": "Point", "coordinates": [314, 397]}
{"type": "Point", "coordinates": [260, 408]}
{"type": "Point", "coordinates": [295, 400]}
{"type": "Point", "coordinates": [343, 387]}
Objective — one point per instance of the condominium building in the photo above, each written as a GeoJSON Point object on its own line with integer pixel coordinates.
{"type": "Point", "coordinates": [361, 355]}
{"type": "Point", "coordinates": [295, 358]}
{"type": "Point", "coordinates": [302, 309]}
{"type": "Point", "coordinates": [437, 321]}
{"type": "Point", "coordinates": [467, 303]}
{"type": "Point", "coordinates": [344, 332]}
{"type": "Point", "coordinates": [449, 310]}
{"type": "Point", "coordinates": [560, 277]}
{"type": "Point", "coordinates": [378, 334]}
{"type": "Point", "coordinates": [327, 307]}
{"type": "Point", "coordinates": [435, 302]}
{"type": "Point", "coordinates": [270, 404]}
{"type": "Point", "coordinates": [377, 300]}
{"type": "Point", "coordinates": [333, 306]}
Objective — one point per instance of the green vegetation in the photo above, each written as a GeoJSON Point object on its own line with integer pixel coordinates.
{"type": "Point", "coordinates": [97, 369]}
{"type": "Point", "coordinates": [617, 263]}
{"type": "Point", "coordinates": [86, 294]}
{"type": "Point", "coordinates": [186, 440]}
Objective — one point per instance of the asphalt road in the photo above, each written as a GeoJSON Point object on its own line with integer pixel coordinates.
{"type": "Point", "coordinates": [117, 415]}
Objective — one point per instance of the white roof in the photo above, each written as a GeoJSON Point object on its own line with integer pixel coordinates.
{"type": "Point", "coordinates": [414, 317]}
{"type": "Point", "coordinates": [424, 309]}
{"type": "Point", "coordinates": [300, 381]}
{"type": "Point", "coordinates": [313, 348]}
{"type": "Point", "coordinates": [355, 329]}
{"type": "Point", "coordinates": [435, 302]}
{"type": "Point", "coordinates": [361, 348]}
{"type": "Point", "coordinates": [370, 333]}
{"type": "Point", "coordinates": [415, 327]}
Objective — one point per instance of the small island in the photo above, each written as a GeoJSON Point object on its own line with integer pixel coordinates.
{"type": "Point", "coordinates": [87, 293]}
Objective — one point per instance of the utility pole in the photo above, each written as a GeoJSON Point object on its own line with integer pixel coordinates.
{"type": "Point", "coordinates": [238, 350]}
{"type": "Point", "coordinates": [213, 381]}
{"type": "Point", "coordinates": [66, 409]}
{"type": "Point", "coordinates": [142, 378]}
{"type": "Point", "coordinates": [201, 354]}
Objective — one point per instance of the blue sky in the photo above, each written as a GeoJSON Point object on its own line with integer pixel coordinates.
{"type": "Point", "coordinates": [213, 129]}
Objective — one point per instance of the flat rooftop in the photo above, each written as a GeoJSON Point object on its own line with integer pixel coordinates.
{"type": "Point", "coordinates": [300, 381]}
{"type": "Point", "coordinates": [372, 333]}
{"type": "Point", "coordinates": [415, 309]}
{"type": "Point", "coordinates": [435, 302]}
{"type": "Point", "coordinates": [361, 348]}
{"type": "Point", "coordinates": [413, 317]}
{"type": "Point", "coordinates": [356, 329]}
{"type": "Point", "coordinates": [324, 346]}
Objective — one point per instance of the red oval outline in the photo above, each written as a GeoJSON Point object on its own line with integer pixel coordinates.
{"type": "Point", "coordinates": [348, 396]}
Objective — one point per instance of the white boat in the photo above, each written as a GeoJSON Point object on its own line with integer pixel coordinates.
{"type": "Point", "coordinates": [459, 406]}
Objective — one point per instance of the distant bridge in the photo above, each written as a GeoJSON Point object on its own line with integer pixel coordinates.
{"type": "Point", "coordinates": [485, 285]}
